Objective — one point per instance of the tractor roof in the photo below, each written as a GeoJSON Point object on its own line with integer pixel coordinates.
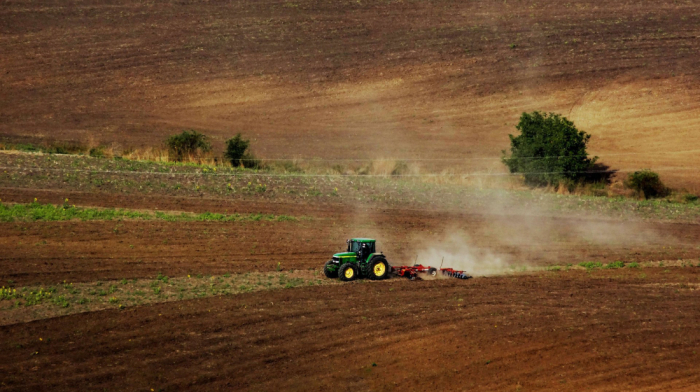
{"type": "Point", "coordinates": [363, 240]}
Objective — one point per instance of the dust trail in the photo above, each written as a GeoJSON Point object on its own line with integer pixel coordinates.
{"type": "Point", "coordinates": [457, 252]}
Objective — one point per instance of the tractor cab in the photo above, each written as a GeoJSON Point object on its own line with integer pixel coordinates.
{"type": "Point", "coordinates": [362, 247]}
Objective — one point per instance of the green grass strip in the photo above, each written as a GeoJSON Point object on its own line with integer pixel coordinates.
{"type": "Point", "coordinates": [48, 212]}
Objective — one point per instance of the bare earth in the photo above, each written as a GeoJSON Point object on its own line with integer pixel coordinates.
{"type": "Point", "coordinates": [408, 80]}
{"type": "Point", "coordinates": [441, 82]}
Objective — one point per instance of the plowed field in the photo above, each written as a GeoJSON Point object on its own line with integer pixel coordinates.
{"type": "Point", "coordinates": [439, 79]}
{"type": "Point", "coordinates": [620, 330]}
{"type": "Point", "coordinates": [564, 329]}
{"type": "Point", "coordinates": [166, 305]}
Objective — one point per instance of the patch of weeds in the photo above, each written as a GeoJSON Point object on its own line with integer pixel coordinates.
{"type": "Point", "coordinates": [591, 265]}
{"type": "Point", "coordinates": [49, 212]}
{"type": "Point", "coordinates": [162, 278]}
{"type": "Point", "coordinates": [553, 268]}
{"type": "Point", "coordinates": [633, 265]}
{"type": "Point", "coordinates": [61, 301]}
{"type": "Point", "coordinates": [7, 293]}
{"type": "Point", "coordinates": [615, 265]}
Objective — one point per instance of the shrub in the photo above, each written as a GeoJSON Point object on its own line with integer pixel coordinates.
{"type": "Point", "coordinates": [548, 150]}
{"type": "Point", "coordinates": [26, 147]}
{"type": "Point", "coordinates": [250, 161]}
{"type": "Point", "coordinates": [97, 152]}
{"type": "Point", "coordinates": [187, 144]}
{"type": "Point", "coordinates": [65, 148]}
{"type": "Point", "coordinates": [647, 183]}
{"type": "Point", "coordinates": [690, 198]}
{"type": "Point", "coordinates": [235, 149]}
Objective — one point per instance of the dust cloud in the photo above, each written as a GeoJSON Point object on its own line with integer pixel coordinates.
{"type": "Point", "coordinates": [457, 252]}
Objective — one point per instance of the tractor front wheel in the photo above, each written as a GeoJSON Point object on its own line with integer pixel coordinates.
{"type": "Point", "coordinates": [348, 272]}
{"type": "Point", "coordinates": [327, 269]}
{"type": "Point", "coordinates": [379, 269]}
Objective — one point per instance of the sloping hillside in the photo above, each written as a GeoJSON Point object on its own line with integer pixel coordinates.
{"type": "Point", "coordinates": [358, 79]}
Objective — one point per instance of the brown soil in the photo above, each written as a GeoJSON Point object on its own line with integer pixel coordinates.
{"type": "Point", "coordinates": [565, 331]}
{"type": "Point", "coordinates": [569, 330]}
{"type": "Point", "coordinates": [75, 251]}
{"type": "Point", "coordinates": [360, 80]}
{"type": "Point", "coordinates": [412, 80]}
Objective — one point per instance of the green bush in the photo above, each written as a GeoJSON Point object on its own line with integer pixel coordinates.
{"type": "Point", "coordinates": [26, 147]}
{"type": "Point", "coordinates": [690, 198]}
{"type": "Point", "coordinates": [236, 153]}
{"type": "Point", "coordinates": [250, 161]}
{"type": "Point", "coordinates": [236, 149]}
{"type": "Point", "coordinates": [65, 148]}
{"type": "Point", "coordinates": [97, 152]}
{"type": "Point", "coordinates": [647, 183]}
{"type": "Point", "coordinates": [548, 150]}
{"type": "Point", "coordinates": [189, 143]}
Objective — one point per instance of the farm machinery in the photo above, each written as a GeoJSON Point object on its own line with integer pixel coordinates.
{"type": "Point", "coordinates": [361, 260]}
{"type": "Point", "coordinates": [412, 272]}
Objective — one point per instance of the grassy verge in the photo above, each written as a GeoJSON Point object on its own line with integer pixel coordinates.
{"type": "Point", "coordinates": [87, 174]}
{"type": "Point", "coordinates": [21, 304]}
{"type": "Point", "coordinates": [49, 212]}
{"type": "Point", "coordinates": [596, 265]}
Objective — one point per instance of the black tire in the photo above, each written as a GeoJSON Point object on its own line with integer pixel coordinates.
{"type": "Point", "coordinates": [329, 273]}
{"type": "Point", "coordinates": [432, 271]}
{"type": "Point", "coordinates": [346, 276]}
{"type": "Point", "coordinates": [378, 268]}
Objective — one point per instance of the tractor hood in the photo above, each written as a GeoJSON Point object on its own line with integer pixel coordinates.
{"type": "Point", "coordinates": [345, 254]}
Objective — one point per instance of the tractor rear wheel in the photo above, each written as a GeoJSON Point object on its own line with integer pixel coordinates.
{"type": "Point", "coordinates": [348, 272]}
{"type": "Point", "coordinates": [379, 269]}
{"type": "Point", "coordinates": [332, 274]}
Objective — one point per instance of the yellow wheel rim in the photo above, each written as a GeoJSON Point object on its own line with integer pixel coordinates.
{"type": "Point", "coordinates": [349, 273]}
{"type": "Point", "coordinates": [379, 269]}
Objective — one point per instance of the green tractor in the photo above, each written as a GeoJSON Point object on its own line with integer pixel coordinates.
{"type": "Point", "coordinates": [360, 260]}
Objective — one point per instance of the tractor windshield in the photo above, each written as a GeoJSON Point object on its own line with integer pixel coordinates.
{"type": "Point", "coordinates": [354, 246]}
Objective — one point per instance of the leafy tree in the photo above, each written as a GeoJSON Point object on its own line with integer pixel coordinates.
{"type": "Point", "coordinates": [548, 150]}
{"type": "Point", "coordinates": [236, 151]}
{"type": "Point", "coordinates": [647, 183]}
{"type": "Point", "coordinates": [188, 143]}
